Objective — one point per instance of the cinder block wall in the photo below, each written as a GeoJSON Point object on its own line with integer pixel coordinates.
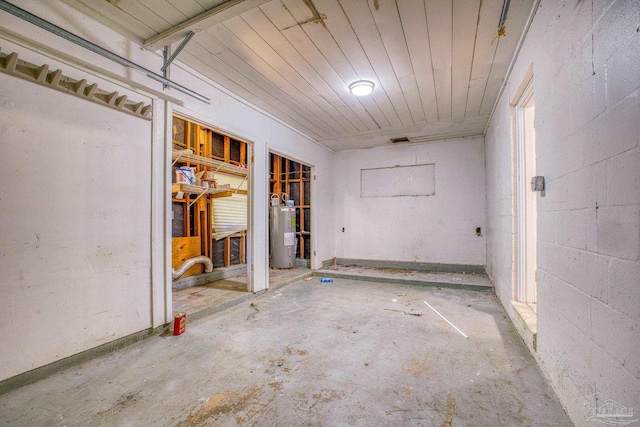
{"type": "Point", "coordinates": [586, 75]}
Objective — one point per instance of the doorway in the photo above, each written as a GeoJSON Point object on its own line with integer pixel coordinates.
{"type": "Point", "coordinates": [291, 181]}
{"type": "Point", "coordinates": [526, 198]}
{"type": "Point", "coordinates": [209, 216]}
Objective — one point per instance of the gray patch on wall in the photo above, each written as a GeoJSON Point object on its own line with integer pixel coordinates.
{"type": "Point", "coordinates": [398, 181]}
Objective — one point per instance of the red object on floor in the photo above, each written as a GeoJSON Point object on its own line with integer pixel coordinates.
{"type": "Point", "coordinates": [179, 323]}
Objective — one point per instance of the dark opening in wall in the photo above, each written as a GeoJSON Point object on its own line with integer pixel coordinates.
{"type": "Point", "coordinates": [294, 179]}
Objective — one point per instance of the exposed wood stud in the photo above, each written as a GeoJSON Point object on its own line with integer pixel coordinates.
{"type": "Point", "coordinates": [187, 134]}
{"type": "Point", "coordinates": [292, 178]}
{"type": "Point", "coordinates": [243, 153]}
{"type": "Point", "coordinates": [227, 251]}
{"type": "Point", "coordinates": [243, 256]}
{"type": "Point", "coordinates": [199, 217]}
{"type": "Point", "coordinates": [227, 149]}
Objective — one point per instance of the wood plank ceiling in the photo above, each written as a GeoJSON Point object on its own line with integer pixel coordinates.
{"type": "Point", "coordinates": [435, 63]}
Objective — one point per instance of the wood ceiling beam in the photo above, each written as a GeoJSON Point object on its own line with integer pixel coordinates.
{"type": "Point", "coordinates": [207, 19]}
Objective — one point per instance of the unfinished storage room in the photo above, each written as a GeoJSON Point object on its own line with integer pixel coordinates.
{"type": "Point", "coordinates": [320, 212]}
{"type": "Point", "coordinates": [209, 217]}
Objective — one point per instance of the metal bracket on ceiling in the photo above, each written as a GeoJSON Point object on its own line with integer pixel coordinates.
{"type": "Point", "coordinates": [48, 26]}
{"type": "Point", "coordinates": [166, 52]}
{"type": "Point", "coordinates": [168, 57]}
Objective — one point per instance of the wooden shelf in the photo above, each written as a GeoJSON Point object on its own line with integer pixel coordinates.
{"type": "Point", "coordinates": [194, 189]}
{"type": "Point", "coordinates": [196, 145]}
{"type": "Point", "coordinates": [187, 156]}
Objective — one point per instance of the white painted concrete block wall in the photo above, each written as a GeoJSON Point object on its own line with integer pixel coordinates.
{"type": "Point", "coordinates": [586, 65]}
{"type": "Point", "coordinates": [435, 229]}
{"type": "Point", "coordinates": [74, 258]}
{"type": "Point", "coordinates": [53, 309]}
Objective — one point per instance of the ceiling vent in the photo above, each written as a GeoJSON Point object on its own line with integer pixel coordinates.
{"type": "Point", "coordinates": [400, 139]}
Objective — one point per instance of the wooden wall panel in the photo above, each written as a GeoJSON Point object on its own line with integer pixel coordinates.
{"type": "Point", "coordinates": [183, 248]}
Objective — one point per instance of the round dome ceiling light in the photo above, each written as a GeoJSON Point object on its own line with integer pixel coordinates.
{"type": "Point", "coordinates": [362, 87]}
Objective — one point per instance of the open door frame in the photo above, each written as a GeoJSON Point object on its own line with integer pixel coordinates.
{"type": "Point", "coordinates": [525, 199]}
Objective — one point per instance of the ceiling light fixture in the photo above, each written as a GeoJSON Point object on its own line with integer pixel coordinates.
{"type": "Point", "coordinates": [362, 87]}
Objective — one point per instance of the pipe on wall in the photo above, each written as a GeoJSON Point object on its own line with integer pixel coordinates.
{"type": "Point", "coordinates": [503, 15]}
{"type": "Point", "coordinates": [208, 266]}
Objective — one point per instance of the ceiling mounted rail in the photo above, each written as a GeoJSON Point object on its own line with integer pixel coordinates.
{"type": "Point", "coordinates": [48, 26]}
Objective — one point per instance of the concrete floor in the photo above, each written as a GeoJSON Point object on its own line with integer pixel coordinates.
{"type": "Point", "coordinates": [470, 281]}
{"type": "Point", "coordinates": [203, 300]}
{"type": "Point", "coordinates": [318, 354]}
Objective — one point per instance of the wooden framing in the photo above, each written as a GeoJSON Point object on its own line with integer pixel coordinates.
{"type": "Point", "coordinates": [288, 176]}
{"type": "Point", "coordinates": [197, 201]}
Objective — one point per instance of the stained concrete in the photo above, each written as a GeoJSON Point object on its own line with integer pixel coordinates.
{"type": "Point", "coordinates": [206, 299]}
{"type": "Point", "coordinates": [341, 353]}
{"type": "Point", "coordinates": [218, 273]}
